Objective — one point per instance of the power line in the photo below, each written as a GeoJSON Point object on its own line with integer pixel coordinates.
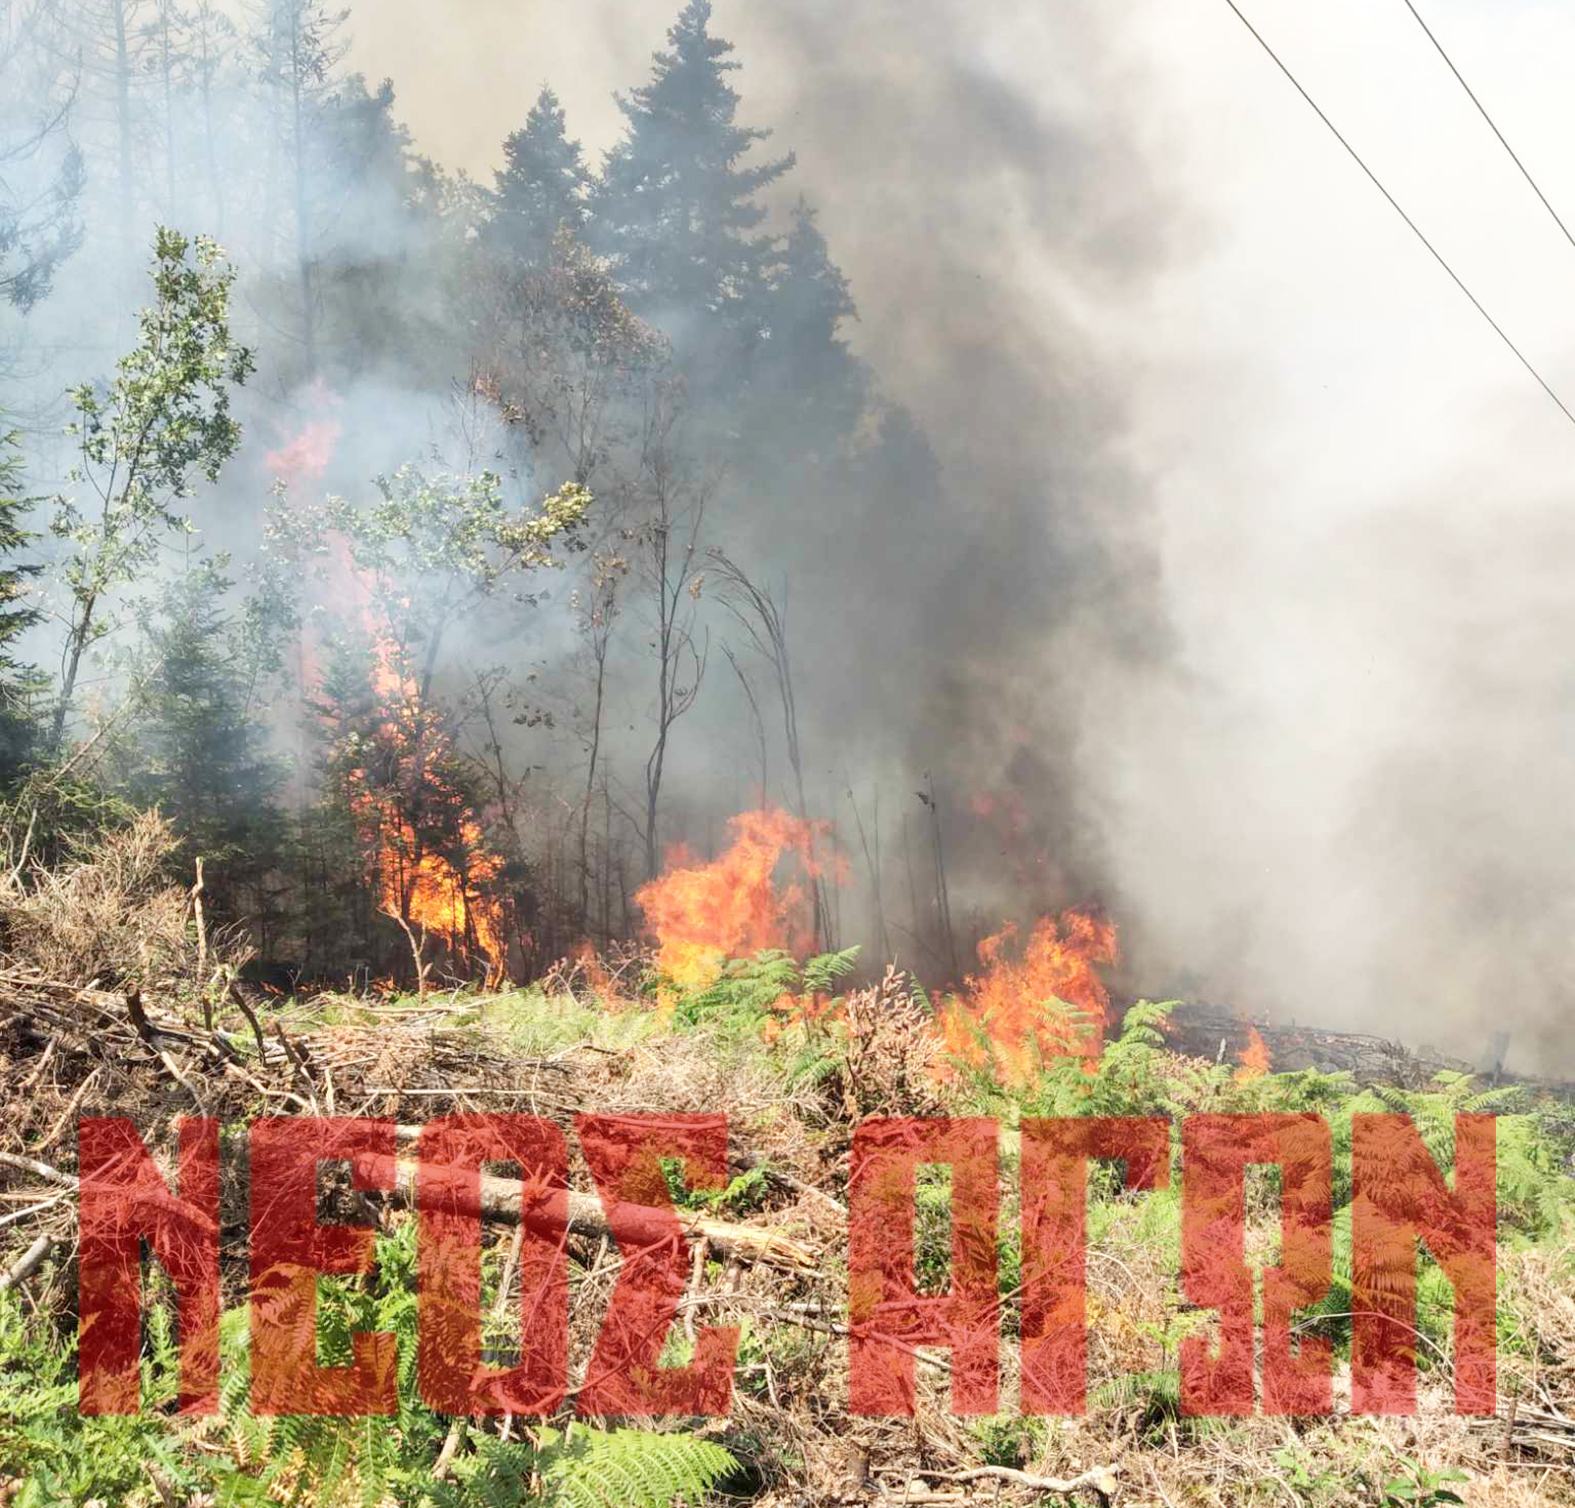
{"type": "Point", "coordinates": [1394, 204]}
{"type": "Point", "coordinates": [1482, 109]}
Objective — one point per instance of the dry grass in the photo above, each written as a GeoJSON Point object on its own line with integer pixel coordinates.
{"type": "Point", "coordinates": [110, 916]}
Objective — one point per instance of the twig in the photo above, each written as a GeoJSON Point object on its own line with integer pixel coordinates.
{"type": "Point", "coordinates": [202, 945]}
{"type": "Point", "coordinates": [33, 1209]}
{"type": "Point", "coordinates": [38, 1169]}
{"type": "Point", "coordinates": [146, 1031]}
{"type": "Point", "coordinates": [832, 1327]}
{"type": "Point", "coordinates": [64, 1118]}
{"type": "Point", "coordinates": [247, 1011]}
{"type": "Point", "coordinates": [445, 1457]}
{"type": "Point", "coordinates": [27, 838]}
{"type": "Point", "coordinates": [40, 1066]}
{"type": "Point", "coordinates": [1099, 1479]}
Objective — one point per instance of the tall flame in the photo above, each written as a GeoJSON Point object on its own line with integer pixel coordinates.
{"type": "Point", "coordinates": [415, 883]}
{"type": "Point", "coordinates": [1008, 1015]}
{"type": "Point", "coordinates": [702, 914]}
{"type": "Point", "coordinates": [1254, 1058]}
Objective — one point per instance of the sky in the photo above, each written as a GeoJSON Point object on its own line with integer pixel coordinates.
{"type": "Point", "coordinates": [1345, 793]}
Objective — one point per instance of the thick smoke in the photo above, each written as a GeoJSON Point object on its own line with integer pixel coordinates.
{"type": "Point", "coordinates": [956, 607]}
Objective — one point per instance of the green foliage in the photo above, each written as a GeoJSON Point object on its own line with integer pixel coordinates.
{"type": "Point", "coordinates": [740, 999]}
{"type": "Point", "coordinates": [1009, 1439]}
{"type": "Point", "coordinates": [823, 971]}
{"type": "Point", "coordinates": [675, 205]}
{"type": "Point", "coordinates": [587, 1468]}
{"type": "Point", "coordinates": [201, 749]}
{"type": "Point", "coordinates": [318, 1455]}
{"type": "Point", "coordinates": [1133, 1075]}
{"type": "Point", "coordinates": [437, 546]}
{"type": "Point", "coordinates": [1417, 1487]}
{"type": "Point", "coordinates": [1306, 1480]}
{"type": "Point", "coordinates": [1152, 1397]}
{"type": "Point", "coordinates": [541, 186]}
{"type": "Point", "coordinates": [742, 1194]}
{"type": "Point", "coordinates": [63, 1457]}
{"type": "Point", "coordinates": [146, 438]}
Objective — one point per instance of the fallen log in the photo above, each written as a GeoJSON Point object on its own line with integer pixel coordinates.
{"type": "Point", "coordinates": [499, 1199]}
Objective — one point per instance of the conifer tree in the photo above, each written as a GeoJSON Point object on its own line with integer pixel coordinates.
{"type": "Point", "coordinates": [676, 206]}
{"type": "Point", "coordinates": [541, 186]}
{"type": "Point", "coordinates": [202, 750]}
{"type": "Point", "coordinates": [300, 47]}
{"type": "Point", "coordinates": [809, 390]}
{"type": "Point", "coordinates": [19, 684]}
{"type": "Point", "coordinates": [41, 167]}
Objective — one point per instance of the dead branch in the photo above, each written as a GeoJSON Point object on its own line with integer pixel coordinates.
{"type": "Point", "coordinates": [1099, 1479]}
{"type": "Point", "coordinates": [37, 1169]}
{"type": "Point", "coordinates": [29, 1262]}
{"type": "Point", "coordinates": [247, 1011]}
{"type": "Point", "coordinates": [417, 949]}
{"type": "Point", "coordinates": [202, 944]}
{"type": "Point", "coordinates": [499, 1199]}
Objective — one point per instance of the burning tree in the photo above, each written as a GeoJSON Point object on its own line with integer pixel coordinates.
{"type": "Point", "coordinates": [419, 560]}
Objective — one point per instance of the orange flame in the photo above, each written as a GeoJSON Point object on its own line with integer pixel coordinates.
{"type": "Point", "coordinates": [417, 883]}
{"type": "Point", "coordinates": [305, 456]}
{"type": "Point", "coordinates": [1254, 1058]}
{"type": "Point", "coordinates": [702, 914]}
{"type": "Point", "coordinates": [1009, 1014]}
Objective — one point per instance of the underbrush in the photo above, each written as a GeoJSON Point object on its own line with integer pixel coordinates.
{"type": "Point", "coordinates": [796, 1058]}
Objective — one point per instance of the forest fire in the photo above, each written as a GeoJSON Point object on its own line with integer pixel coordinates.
{"type": "Point", "coordinates": [1015, 1012]}
{"type": "Point", "coordinates": [702, 914]}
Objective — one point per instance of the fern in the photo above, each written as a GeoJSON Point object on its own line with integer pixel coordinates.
{"type": "Point", "coordinates": [823, 971]}
{"type": "Point", "coordinates": [61, 1456]}
{"type": "Point", "coordinates": [587, 1468]}
{"type": "Point", "coordinates": [321, 1453]}
{"type": "Point", "coordinates": [742, 997]}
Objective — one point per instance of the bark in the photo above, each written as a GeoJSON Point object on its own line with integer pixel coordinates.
{"type": "Point", "coordinates": [499, 1199]}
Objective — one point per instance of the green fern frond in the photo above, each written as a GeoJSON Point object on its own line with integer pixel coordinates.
{"type": "Point", "coordinates": [822, 972]}
{"type": "Point", "coordinates": [632, 1468]}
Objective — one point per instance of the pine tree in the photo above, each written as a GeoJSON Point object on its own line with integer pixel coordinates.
{"type": "Point", "coordinates": [300, 47]}
{"type": "Point", "coordinates": [19, 684]}
{"type": "Point", "coordinates": [202, 750]}
{"type": "Point", "coordinates": [371, 240]}
{"type": "Point", "coordinates": [41, 168]}
{"type": "Point", "coordinates": [809, 390]}
{"type": "Point", "coordinates": [675, 206]}
{"type": "Point", "coordinates": [542, 185]}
